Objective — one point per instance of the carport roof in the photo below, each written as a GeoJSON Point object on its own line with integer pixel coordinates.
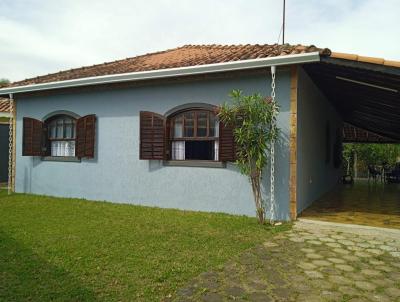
{"type": "Point", "coordinates": [364, 90]}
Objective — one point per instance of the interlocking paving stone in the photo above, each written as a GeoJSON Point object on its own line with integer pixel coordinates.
{"type": "Point", "coordinates": [313, 256]}
{"type": "Point", "coordinates": [314, 242]}
{"type": "Point", "coordinates": [326, 239]}
{"type": "Point", "coordinates": [309, 269]}
{"type": "Point", "coordinates": [387, 248]}
{"type": "Point", "coordinates": [314, 274]}
{"type": "Point", "coordinates": [307, 265]}
{"type": "Point", "coordinates": [350, 258]}
{"type": "Point", "coordinates": [393, 292]}
{"type": "Point", "coordinates": [334, 244]}
{"type": "Point", "coordinates": [345, 267]}
{"type": "Point", "coordinates": [370, 272]}
{"type": "Point", "coordinates": [339, 279]}
{"type": "Point", "coordinates": [362, 254]}
{"type": "Point", "coordinates": [307, 250]}
{"type": "Point", "coordinates": [375, 251]}
{"type": "Point", "coordinates": [346, 242]}
{"type": "Point", "coordinates": [336, 260]}
{"type": "Point", "coordinates": [259, 297]}
{"type": "Point", "coordinates": [212, 297]}
{"type": "Point", "coordinates": [365, 285]}
{"type": "Point", "coordinates": [341, 251]}
{"type": "Point", "coordinates": [321, 263]}
{"type": "Point", "coordinates": [395, 254]}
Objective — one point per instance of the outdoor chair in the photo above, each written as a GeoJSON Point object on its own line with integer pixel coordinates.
{"type": "Point", "coordinates": [372, 172]}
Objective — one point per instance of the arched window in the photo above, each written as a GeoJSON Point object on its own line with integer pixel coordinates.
{"type": "Point", "coordinates": [190, 133]}
{"type": "Point", "coordinates": [193, 135]}
{"type": "Point", "coordinates": [61, 135]}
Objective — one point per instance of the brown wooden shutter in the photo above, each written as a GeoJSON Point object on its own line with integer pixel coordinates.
{"type": "Point", "coordinates": [85, 136]}
{"type": "Point", "coordinates": [32, 137]}
{"type": "Point", "coordinates": [152, 136]}
{"type": "Point", "coordinates": [227, 145]}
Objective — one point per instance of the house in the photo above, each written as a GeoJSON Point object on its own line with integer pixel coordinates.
{"type": "Point", "coordinates": [4, 132]}
{"type": "Point", "coordinates": [143, 130]}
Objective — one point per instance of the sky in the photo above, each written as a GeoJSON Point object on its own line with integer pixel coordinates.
{"type": "Point", "coordinates": [38, 37]}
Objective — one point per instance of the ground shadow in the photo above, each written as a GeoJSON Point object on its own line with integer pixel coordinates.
{"type": "Point", "coordinates": [24, 276]}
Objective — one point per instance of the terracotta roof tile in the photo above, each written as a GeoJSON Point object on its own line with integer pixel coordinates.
{"type": "Point", "coordinates": [371, 60]}
{"type": "Point", "coordinates": [188, 55]}
{"type": "Point", "coordinates": [4, 105]}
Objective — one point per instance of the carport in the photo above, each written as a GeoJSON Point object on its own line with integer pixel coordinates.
{"type": "Point", "coordinates": [365, 92]}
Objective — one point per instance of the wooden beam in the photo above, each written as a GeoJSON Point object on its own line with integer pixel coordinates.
{"type": "Point", "coordinates": [293, 143]}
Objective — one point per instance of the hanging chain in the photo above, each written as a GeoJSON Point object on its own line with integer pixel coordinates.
{"type": "Point", "coordinates": [272, 150]}
{"type": "Point", "coordinates": [10, 147]}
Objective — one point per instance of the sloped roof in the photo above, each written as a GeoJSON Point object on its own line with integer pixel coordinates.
{"type": "Point", "coordinates": [187, 55]}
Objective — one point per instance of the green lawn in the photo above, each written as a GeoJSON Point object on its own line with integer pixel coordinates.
{"type": "Point", "coordinates": [62, 249]}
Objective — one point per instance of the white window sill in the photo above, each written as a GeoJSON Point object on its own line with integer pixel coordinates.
{"type": "Point", "coordinates": [62, 158]}
{"type": "Point", "coordinates": [195, 163]}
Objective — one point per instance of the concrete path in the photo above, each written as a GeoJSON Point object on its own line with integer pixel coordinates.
{"type": "Point", "coordinates": [315, 261]}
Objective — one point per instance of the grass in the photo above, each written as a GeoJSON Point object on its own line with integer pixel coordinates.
{"type": "Point", "coordinates": [62, 249]}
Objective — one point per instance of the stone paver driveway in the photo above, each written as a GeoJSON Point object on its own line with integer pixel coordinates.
{"type": "Point", "coordinates": [315, 261]}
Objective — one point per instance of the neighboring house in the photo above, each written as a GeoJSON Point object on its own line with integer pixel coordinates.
{"type": "Point", "coordinates": [4, 131]}
{"type": "Point", "coordinates": [144, 130]}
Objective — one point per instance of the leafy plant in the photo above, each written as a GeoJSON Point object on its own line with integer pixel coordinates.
{"type": "Point", "coordinates": [4, 82]}
{"type": "Point", "coordinates": [253, 118]}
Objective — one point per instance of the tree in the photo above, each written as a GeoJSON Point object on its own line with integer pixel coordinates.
{"type": "Point", "coordinates": [253, 119]}
{"type": "Point", "coordinates": [371, 154]}
{"type": "Point", "coordinates": [4, 82]}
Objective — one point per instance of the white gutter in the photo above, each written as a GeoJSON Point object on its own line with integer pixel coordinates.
{"type": "Point", "coordinates": [170, 72]}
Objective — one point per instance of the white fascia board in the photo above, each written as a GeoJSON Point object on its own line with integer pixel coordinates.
{"type": "Point", "coordinates": [170, 72]}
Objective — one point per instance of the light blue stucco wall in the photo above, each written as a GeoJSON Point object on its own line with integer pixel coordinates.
{"type": "Point", "coordinates": [116, 174]}
{"type": "Point", "coordinates": [314, 175]}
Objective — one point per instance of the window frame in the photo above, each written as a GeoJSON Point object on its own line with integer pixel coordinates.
{"type": "Point", "coordinates": [170, 129]}
{"type": "Point", "coordinates": [48, 123]}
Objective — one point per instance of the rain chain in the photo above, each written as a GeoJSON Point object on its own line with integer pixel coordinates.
{"type": "Point", "coordinates": [10, 147]}
{"type": "Point", "coordinates": [272, 150]}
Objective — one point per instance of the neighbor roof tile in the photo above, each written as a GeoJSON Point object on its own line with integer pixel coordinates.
{"type": "Point", "coordinates": [4, 105]}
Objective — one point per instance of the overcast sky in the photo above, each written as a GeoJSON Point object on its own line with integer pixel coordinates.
{"type": "Point", "coordinates": [44, 36]}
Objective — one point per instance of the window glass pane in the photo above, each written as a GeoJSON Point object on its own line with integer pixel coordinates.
{"type": "Point", "coordinates": [52, 130]}
{"type": "Point", "coordinates": [60, 129]}
{"type": "Point", "coordinates": [68, 130]}
{"type": "Point", "coordinates": [202, 124]}
{"type": "Point", "coordinates": [178, 126]}
{"type": "Point", "coordinates": [63, 148]}
{"type": "Point", "coordinates": [178, 150]}
{"type": "Point", "coordinates": [214, 125]}
{"type": "Point", "coordinates": [189, 124]}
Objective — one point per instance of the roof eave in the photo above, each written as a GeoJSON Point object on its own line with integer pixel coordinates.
{"type": "Point", "coordinates": [170, 72]}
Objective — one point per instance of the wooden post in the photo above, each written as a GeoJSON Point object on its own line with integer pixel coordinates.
{"type": "Point", "coordinates": [293, 143]}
